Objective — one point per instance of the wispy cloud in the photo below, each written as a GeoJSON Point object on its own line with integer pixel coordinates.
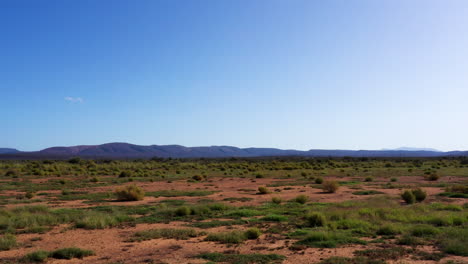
{"type": "Point", "coordinates": [74, 99]}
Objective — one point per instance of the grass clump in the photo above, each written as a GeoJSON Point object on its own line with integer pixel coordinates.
{"type": "Point", "coordinates": [233, 237]}
{"type": "Point", "coordinates": [408, 197]}
{"type": "Point", "coordinates": [302, 199]}
{"type": "Point", "coordinates": [315, 220]}
{"type": "Point", "coordinates": [388, 230]}
{"type": "Point", "coordinates": [243, 258]}
{"type": "Point", "coordinates": [168, 233]}
{"type": "Point", "coordinates": [355, 260]}
{"type": "Point", "coordinates": [276, 200]}
{"type": "Point", "coordinates": [183, 211]}
{"type": "Point", "coordinates": [69, 253]}
{"type": "Point", "coordinates": [64, 253]}
{"type": "Point", "coordinates": [130, 193]}
{"type": "Point", "coordinates": [330, 186]}
{"type": "Point", "coordinates": [253, 233]}
{"type": "Point", "coordinates": [36, 256]}
{"type": "Point", "coordinates": [454, 242]}
{"type": "Point", "coordinates": [263, 190]}
{"type": "Point", "coordinates": [424, 231]}
{"type": "Point", "coordinates": [7, 242]}
{"type": "Point", "coordinates": [419, 194]}
{"type": "Point", "coordinates": [328, 240]}
{"type": "Point", "coordinates": [274, 218]}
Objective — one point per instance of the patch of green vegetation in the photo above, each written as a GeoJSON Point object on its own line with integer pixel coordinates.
{"type": "Point", "coordinates": [328, 240]}
{"type": "Point", "coordinates": [274, 218]}
{"type": "Point", "coordinates": [130, 193]}
{"type": "Point", "coordinates": [356, 260]}
{"type": "Point", "coordinates": [233, 237]}
{"type": "Point", "coordinates": [64, 253]}
{"type": "Point", "coordinates": [216, 223]}
{"type": "Point", "coordinates": [243, 258]}
{"type": "Point", "coordinates": [169, 233]}
{"type": "Point", "coordinates": [7, 242]}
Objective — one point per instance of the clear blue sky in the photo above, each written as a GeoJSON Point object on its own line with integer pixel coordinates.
{"type": "Point", "coordinates": [349, 74]}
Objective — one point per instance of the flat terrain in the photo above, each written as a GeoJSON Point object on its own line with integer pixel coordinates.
{"type": "Point", "coordinates": [270, 210]}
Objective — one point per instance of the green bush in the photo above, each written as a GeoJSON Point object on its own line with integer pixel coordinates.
{"type": "Point", "coordinates": [242, 258]}
{"type": "Point", "coordinates": [197, 178]}
{"type": "Point", "coordinates": [433, 176]}
{"type": "Point", "coordinates": [69, 253]}
{"type": "Point", "coordinates": [168, 233]}
{"type": "Point", "coordinates": [419, 194]}
{"type": "Point", "coordinates": [7, 242]}
{"type": "Point", "coordinates": [302, 199]}
{"type": "Point", "coordinates": [276, 200]}
{"type": "Point", "coordinates": [369, 179]}
{"type": "Point", "coordinates": [330, 186]}
{"type": "Point", "coordinates": [36, 256]}
{"type": "Point", "coordinates": [29, 194]}
{"type": "Point", "coordinates": [424, 231]}
{"type": "Point", "coordinates": [388, 230]}
{"type": "Point", "coordinates": [11, 173]}
{"type": "Point", "coordinates": [125, 174]}
{"type": "Point", "coordinates": [319, 180]}
{"type": "Point", "coordinates": [234, 237]}
{"type": "Point", "coordinates": [408, 197]}
{"type": "Point", "coordinates": [316, 219]}
{"type": "Point", "coordinates": [183, 211]}
{"type": "Point", "coordinates": [263, 190]}
{"type": "Point", "coordinates": [130, 193]}
{"type": "Point", "coordinates": [253, 233]}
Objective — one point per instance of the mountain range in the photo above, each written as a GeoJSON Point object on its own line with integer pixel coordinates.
{"type": "Point", "coordinates": [126, 150]}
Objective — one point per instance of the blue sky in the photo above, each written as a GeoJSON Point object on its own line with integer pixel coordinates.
{"type": "Point", "coordinates": [348, 74]}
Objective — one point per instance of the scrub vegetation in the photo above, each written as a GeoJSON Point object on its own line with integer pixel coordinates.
{"type": "Point", "coordinates": [264, 210]}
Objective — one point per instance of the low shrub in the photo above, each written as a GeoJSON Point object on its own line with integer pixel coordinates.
{"type": "Point", "coordinates": [419, 194]}
{"type": "Point", "coordinates": [234, 237]}
{"type": "Point", "coordinates": [408, 197]}
{"type": "Point", "coordinates": [253, 233]}
{"type": "Point", "coordinates": [7, 242]}
{"type": "Point", "coordinates": [315, 219]}
{"type": "Point", "coordinates": [263, 190]}
{"type": "Point", "coordinates": [276, 200]}
{"type": "Point", "coordinates": [319, 180]}
{"type": "Point", "coordinates": [130, 193]}
{"type": "Point", "coordinates": [242, 258]}
{"type": "Point", "coordinates": [168, 233]}
{"type": "Point", "coordinates": [69, 253]}
{"type": "Point", "coordinates": [433, 176]}
{"type": "Point", "coordinates": [388, 230]}
{"type": "Point", "coordinates": [183, 211]}
{"type": "Point", "coordinates": [330, 186]}
{"type": "Point", "coordinates": [302, 199]}
{"type": "Point", "coordinates": [36, 256]}
{"type": "Point", "coordinates": [125, 174]}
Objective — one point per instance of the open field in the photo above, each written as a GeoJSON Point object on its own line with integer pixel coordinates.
{"type": "Point", "coordinates": [269, 210]}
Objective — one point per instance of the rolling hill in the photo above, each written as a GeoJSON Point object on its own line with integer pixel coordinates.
{"type": "Point", "coordinates": [126, 150]}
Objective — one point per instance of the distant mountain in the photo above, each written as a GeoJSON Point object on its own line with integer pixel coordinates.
{"type": "Point", "coordinates": [125, 150]}
{"type": "Point", "coordinates": [8, 150]}
{"type": "Point", "coordinates": [414, 149]}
